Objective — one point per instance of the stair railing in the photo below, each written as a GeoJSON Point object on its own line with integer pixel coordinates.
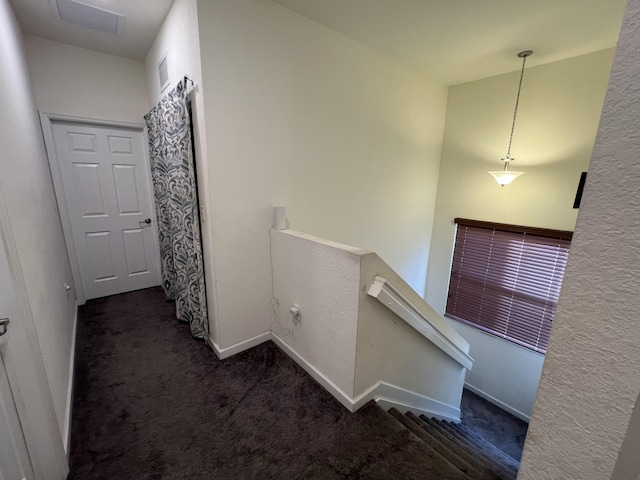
{"type": "Point", "coordinates": [391, 298]}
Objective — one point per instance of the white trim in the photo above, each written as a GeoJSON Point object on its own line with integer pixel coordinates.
{"type": "Point", "coordinates": [66, 435]}
{"type": "Point", "coordinates": [226, 352]}
{"type": "Point", "coordinates": [47, 120]}
{"type": "Point", "coordinates": [498, 403]}
{"type": "Point", "coordinates": [322, 379]}
{"type": "Point", "coordinates": [32, 394]}
{"type": "Point", "coordinates": [384, 292]}
{"type": "Point", "coordinates": [385, 394]}
{"type": "Point", "coordinates": [57, 117]}
{"type": "Point", "coordinates": [391, 396]}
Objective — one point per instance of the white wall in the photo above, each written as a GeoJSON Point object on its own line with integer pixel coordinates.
{"type": "Point", "coordinates": [557, 120]}
{"type": "Point", "coordinates": [179, 41]}
{"type": "Point", "coordinates": [347, 339]}
{"type": "Point", "coordinates": [301, 116]}
{"type": "Point", "coordinates": [75, 81]}
{"type": "Point", "coordinates": [323, 279]}
{"type": "Point", "coordinates": [28, 190]}
{"type": "Point", "coordinates": [390, 350]}
{"type": "Point", "coordinates": [504, 373]}
{"type": "Point", "coordinates": [590, 380]}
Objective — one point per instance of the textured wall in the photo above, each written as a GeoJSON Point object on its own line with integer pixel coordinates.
{"type": "Point", "coordinates": [301, 116]}
{"type": "Point", "coordinates": [590, 379]}
{"type": "Point", "coordinates": [348, 336]}
{"type": "Point", "coordinates": [323, 279]}
{"type": "Point", "coordinates": [557, 122]}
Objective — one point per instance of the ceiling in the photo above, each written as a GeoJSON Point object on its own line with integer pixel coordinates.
{"type": "Point", "coordinates": [457, 41]}
{"type": "Point", "coordinates": [449, 41]}
{"type": "Point", "coordinates": [143, 19]}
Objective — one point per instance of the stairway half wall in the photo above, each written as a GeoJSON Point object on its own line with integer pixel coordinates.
{"type": "Point", "coordinates": [347, 340]}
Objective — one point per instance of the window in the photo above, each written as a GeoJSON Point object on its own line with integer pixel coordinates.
{"type": "Point", "coordinates": [506, 279]}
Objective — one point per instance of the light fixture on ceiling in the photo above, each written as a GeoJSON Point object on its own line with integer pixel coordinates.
{"type": "Point", "coordinates": [506, 176]}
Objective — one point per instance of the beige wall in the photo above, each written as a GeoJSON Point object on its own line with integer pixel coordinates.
{"type": "Point", "coordinates": [557, 121]}
{"type": "Point", "coordinates": [590, 382]}
{"type": "Point", "coordinates": [75, 81]}
{"type": "Point", "coordinates": [28, 190]}
{"type": "Point", "coordinates": [301, 116]}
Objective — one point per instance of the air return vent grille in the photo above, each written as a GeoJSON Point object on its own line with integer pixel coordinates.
{"type": "Point", "coordinates": [163, 73]}
{"type": "Point", "coordinates": [88, 16]}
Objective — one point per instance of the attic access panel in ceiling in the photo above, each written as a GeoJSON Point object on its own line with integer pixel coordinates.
{"type": "Point", "coordinates": [88, 16]}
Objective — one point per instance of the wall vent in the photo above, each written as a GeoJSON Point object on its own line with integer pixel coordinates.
{"type": "Point", "coordinates": [163, 73]}
{"type": "Point", "coordinates": [88, 16]}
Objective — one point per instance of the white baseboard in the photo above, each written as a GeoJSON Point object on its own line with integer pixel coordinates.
{"type": "Point", "coordinates": [385, 394]}
{"type": "Point", "coordinates": [66, 436]}
{"type": "Point", "coordinates": [391, 396]}
{"type": "Point", "coordinates": [226, 352]}
{"type": "Point", "coordinates": [328, 385]}
{"type": "Point", "coordinates": [498, 403]}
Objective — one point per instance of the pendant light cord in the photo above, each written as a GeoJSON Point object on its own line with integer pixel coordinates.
{"type": "Point", "coordinates": [515, 112]}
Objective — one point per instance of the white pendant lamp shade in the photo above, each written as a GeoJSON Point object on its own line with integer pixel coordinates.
{"type": "Point", "coordinates": [505, 178]}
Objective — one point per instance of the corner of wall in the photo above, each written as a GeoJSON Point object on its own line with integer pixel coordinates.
{"type": "Point", "coordinates": [179, 38]}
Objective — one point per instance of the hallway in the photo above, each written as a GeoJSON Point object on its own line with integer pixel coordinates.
{"type": "Point", "coordinates": [153, 403]}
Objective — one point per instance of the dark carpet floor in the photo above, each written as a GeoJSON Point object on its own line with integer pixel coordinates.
{"type": "Point", "coordinates": [153, 403]}
{"type": "Point", "coordinates": [493, 424]}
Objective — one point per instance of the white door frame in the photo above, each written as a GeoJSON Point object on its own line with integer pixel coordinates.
{"type": "Point", "coordinates": [26, 372]}
{"type": "Point", "coordinates": [47, 120]}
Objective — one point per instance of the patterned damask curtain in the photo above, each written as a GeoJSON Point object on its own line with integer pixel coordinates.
{"type": "Point", "coordinates": [176, 197]}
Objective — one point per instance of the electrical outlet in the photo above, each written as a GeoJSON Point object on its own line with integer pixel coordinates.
{"type": "Point", "coordinates": [294, 310]}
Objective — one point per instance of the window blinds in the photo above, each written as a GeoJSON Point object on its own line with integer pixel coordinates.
{"type": "Point", "coordinates": [507, 283]}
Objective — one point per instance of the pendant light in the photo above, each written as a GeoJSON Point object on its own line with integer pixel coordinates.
{"type": "Point", "coordinates": [506, 176]}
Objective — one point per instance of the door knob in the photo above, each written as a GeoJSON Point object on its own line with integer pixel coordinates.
{"type": "Point", "coordinates": [4, 322]}
{"type": "Point", "coordinates": [146, 221]}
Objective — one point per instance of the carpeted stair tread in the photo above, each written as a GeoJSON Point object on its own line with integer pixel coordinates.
{"type": "Point", "coordinates": [508, 459]}
{"type": "Point", "coordinates": [491, 423]}
{"type": "Point", "coordinates": [450, 454]}
{"type": "Point", "coordinates": [495, 454]}
{"type": "Point", "coordinates": [383, 439]}
{"type": "Point", "coordinates": [490, 464]}
{"type": "Point", "coordinates": [472, 456]}
{"type": "Point", "coordinates": [434, 457]}
{"type": "Point", "coordinates": [473, 444]}
{"type": "Point", "coordinates": [469, 454]}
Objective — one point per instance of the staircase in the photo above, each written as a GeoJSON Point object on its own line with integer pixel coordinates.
{"type": "Point", "coordinates": [459, 446]}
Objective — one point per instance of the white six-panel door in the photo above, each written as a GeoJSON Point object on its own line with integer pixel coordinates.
{"type": "Point", "coordinates": [107, 197]}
